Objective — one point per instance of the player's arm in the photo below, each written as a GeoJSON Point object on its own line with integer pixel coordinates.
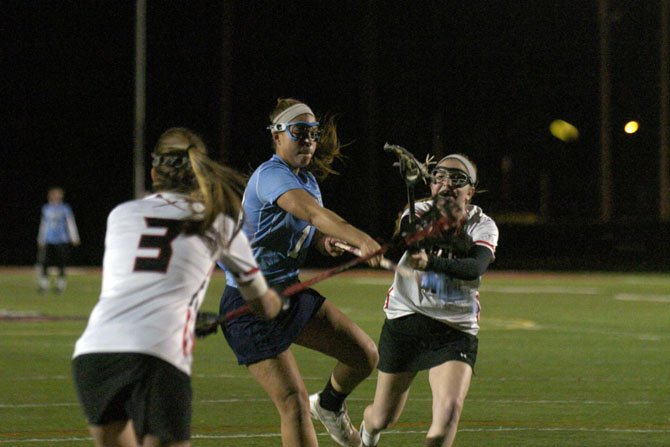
{"type": "Point", "coordinates": [42, 233]}
{"type": "Point", "coordinates": [302, 205]}
{"type": "Point", "coordinates": [469, 268]}
{"type": "Point", "coordinates": [72, 227]}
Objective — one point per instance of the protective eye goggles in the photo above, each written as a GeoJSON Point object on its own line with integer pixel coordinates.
{"type": "Point", "coordinates": [456, 177]}
{"type": "Point", "coordinates": [298, 130]}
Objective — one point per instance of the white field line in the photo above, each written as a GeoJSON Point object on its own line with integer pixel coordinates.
{"type": "Point", "coordinates": [646, 281]}
{"type": "Point", "coordinates": [414, 399]}
{"type": "Point", "coordinates": [538, 290]}
{"type": "Point", "coordinates": [642, 298]}
{"type": "Point", "coordinates": [386, 433]}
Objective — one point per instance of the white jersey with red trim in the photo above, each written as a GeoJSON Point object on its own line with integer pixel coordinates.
{"type": "Point", "coordinates": [154, 278]}
{"type": "Point", "coordinates": [458, 304]}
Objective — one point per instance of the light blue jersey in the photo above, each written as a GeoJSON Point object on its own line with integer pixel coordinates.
{"type": "Point", "coordinates": [278, 239]}
{"type": "Point", "coordinates": [57, 225]}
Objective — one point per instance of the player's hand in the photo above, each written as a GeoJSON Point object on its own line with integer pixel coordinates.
{"type": "Point", "coordinates": [368, 247]}
{"type": "Point", "coordinates": [418, 260]}
{"type": "Point", "coordinates": [269, 305]}
{"type": "Point", "coordinates": [329, 247]}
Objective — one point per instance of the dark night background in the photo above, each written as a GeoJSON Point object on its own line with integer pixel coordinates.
{"type": "Point", "coordinates": [483, 78]}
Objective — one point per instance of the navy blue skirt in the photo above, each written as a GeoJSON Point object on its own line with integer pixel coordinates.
{"type": "Point", "coordinates": [253, 339]}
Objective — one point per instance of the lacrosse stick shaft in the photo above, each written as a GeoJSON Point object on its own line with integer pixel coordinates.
{"type": "Point", "coordinates": [410, 202]}
{"type": "Point", "coordinates": [295, 288]}
{"type": "Point", "coordinates": [385, 262]}
{"type": "Point", "coordinates": [242, 310]}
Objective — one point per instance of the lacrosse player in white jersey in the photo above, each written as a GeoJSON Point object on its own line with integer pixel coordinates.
{"type": "Point", "coordinates": [432, 317]}
{"type": "Point", "coordinates": [132, 364]}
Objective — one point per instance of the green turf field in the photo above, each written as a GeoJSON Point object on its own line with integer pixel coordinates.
{"type": "Point", "coordinates": [564, 360]}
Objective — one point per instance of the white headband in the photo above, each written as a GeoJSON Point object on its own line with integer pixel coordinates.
{"type": "Point", "coordinates": [465, 162]}
{"type": "Point", "coordinates": [295, 110]}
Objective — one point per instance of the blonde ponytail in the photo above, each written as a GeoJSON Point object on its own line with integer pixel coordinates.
{"type": "Point", "coordinates": [182, 165]}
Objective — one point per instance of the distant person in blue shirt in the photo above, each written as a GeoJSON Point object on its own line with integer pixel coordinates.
{"type": "Point", "coordinates": [284, 216]}
{"type": "Point", "coordinates": [58, 231]}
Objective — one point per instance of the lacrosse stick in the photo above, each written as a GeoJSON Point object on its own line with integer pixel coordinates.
{"type": "Point", "coordinates": [385, 262]}
{"type": "Point", "coordinates": [298, 287]}
{"type": "Point", "coordinates": [411, 170]}
{"type": "Point", "coordinates": [207, 322]}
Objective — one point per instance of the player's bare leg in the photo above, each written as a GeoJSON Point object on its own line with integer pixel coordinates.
{"type": "Point", "coordinates": [281, 379]}
{"type": "Point", "coordinates": [114, 434]}
{"type": "Point", "coordinates": [449, 383]}
{"type": "Point", "coordinates": [390, 398]}
{"type": "Point", "coordinates": [331, 332]}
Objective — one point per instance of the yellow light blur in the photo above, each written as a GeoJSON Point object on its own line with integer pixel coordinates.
{"type": "Point", "coordinates": [631, 127]}
{"type": "Point", "coordinates": [563, 130]}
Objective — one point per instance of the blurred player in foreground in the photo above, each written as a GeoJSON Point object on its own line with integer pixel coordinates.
{"type": "Point", "coordinates": [432, 317]}
{"type": "Point", "coordinates": [132, 364]}
{"type": "Point", "coordinates": [284, 217]}
{"type": "Point", "coordinates": [57, 232]}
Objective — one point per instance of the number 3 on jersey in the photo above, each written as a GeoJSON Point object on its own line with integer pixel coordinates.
{"type": "Point", "coordinates": [160, 242]}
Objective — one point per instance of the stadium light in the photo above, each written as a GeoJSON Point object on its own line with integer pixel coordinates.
{"type": "Point", "coordinates": [631, 127]}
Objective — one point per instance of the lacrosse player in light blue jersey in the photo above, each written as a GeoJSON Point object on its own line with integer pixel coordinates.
{"type": "Point", "coordinates": [57, 232]}
{"type": "Point", "coordinates": [284, 216]}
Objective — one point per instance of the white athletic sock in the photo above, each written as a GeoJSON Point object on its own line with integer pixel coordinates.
{"type": "Point", "coordinates": [367, 438]}
{"type": "Point", "coordinates": [43, 282]}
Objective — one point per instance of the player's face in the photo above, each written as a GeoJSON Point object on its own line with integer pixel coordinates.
{"type": "Point", "coordinates": [452, 182]}
{"type": "Point", "coordinates": [296, 153]}
{"type": "Point", "coordinates": [55, 196]}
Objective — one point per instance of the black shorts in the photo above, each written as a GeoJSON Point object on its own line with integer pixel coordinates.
{"type": "Point", "coordinates": [253, 339]}
{"type": "Point", "coordinates": [56, 255]}
{"type": "Point", "coordinates": [121, 386]}
{"type": "Point", "coordinates": [416, 342]}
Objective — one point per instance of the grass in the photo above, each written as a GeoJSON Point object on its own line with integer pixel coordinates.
{"type": "Point", "coordinates": [565, 359]}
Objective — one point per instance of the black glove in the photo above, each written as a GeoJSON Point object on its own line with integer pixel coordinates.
{"type": "Point", "coordinates": [206, 323]}
{"type": "Point", "coordinates": [460, 244]}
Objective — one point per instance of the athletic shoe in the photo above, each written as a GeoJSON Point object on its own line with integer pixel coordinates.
{"type": "Point", "coordinates": [374, 441]}
{"type": "Point", "coordinates": [61, 283]}
{"type": "Point", "coordinates": [43, 284]}
{"type": "Point", "coordinates": [337, 423]}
